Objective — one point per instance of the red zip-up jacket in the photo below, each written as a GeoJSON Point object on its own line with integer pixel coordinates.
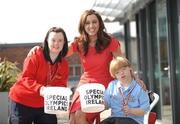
{"type": "Point", "coordinates": [38, 72]}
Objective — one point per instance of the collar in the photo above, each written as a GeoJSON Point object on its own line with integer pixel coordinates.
{"type": "Point", "coordinates": [131, 86]}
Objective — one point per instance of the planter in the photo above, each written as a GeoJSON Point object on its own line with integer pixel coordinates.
{"type": "Point", "coordinates": [4, 107]}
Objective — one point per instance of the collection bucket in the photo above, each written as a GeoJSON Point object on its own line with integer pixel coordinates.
{"type": "Point", "coordinates": [56, 100]}
{"type": "Point", "coordinates": [92, 97]}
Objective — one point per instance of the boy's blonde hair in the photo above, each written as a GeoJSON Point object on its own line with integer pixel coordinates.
{"type": "Point", "coordinates": [117, 63]}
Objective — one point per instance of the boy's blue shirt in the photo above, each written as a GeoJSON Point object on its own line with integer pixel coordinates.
{"type": "Point", "coordinates": [138, 99]}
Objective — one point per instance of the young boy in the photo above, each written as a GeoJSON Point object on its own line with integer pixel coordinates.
{"type": "Point", "coordinates": [126, 98]}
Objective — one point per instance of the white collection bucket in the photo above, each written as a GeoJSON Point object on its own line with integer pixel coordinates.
{"type": "Point", "coordinates": [92, 97]}
{"type": "Point", "coordinates": [56, 100]}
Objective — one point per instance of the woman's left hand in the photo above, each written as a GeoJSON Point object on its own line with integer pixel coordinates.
{"type": "Point", "coordinates": [142, 84]}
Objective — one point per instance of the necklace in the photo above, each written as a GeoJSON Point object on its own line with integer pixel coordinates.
{"type": "Point", "coordinates": [52, 70]}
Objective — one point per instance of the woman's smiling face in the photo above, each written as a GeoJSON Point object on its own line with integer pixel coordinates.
{"type": "Point", "coordinates": [92, 25]}
{"type": "Point", "coordinates": [55, 42]}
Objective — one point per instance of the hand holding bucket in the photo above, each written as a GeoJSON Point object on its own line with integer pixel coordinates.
{"type": "Point", "coordinates": [56, 100]}
{"type": "Point", "coordinates": [92, 97]}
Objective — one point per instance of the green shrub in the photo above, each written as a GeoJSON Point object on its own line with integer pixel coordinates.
{"type": "Point", "coordinates": [8, 74]}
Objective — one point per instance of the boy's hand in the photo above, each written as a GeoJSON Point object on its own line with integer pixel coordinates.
{"type": "Point", "coordinates": [126, 110]}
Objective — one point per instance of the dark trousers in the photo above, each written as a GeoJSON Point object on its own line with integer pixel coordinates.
{"type": "Point", "coordinates": [118, 120]}
{"type": "Point", "coordinates": [20, 114]}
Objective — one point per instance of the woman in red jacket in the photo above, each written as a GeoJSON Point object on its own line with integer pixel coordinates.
{"type": "Point", "coordinates": [47, 67]}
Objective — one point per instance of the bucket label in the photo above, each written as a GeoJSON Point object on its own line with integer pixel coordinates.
{"type": "Point", "coordinates": [56, 103]}
{"type": "Point", "coordinates": [94, 96]}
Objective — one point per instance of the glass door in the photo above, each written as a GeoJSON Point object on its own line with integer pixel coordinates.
{"type": "Point", "coordinates": [163, 64]}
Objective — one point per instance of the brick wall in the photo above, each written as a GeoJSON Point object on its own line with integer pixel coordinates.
{"type": "Point", "coordinates": [18, 52]}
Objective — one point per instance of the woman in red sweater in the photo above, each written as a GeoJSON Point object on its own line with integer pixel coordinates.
{"type": "Point", "coordinates": [47, 67]}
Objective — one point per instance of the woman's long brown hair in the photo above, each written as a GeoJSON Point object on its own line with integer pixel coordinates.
{"type": "Point", "coordinates": [103, 39]}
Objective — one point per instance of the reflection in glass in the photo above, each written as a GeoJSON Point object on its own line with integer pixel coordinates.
{"type": "Point", "coordinates": [163, 63]}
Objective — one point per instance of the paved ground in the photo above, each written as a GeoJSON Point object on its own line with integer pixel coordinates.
{"type": "Point", "coordinates": [63, 119]}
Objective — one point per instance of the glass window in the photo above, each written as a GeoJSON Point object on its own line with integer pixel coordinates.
{"type": "Point", "coordinates": [133, 54]}
{"type": "Point", "coordinates": [71, 71]}
{"type": "Point", "coordinates": [77, 70]}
